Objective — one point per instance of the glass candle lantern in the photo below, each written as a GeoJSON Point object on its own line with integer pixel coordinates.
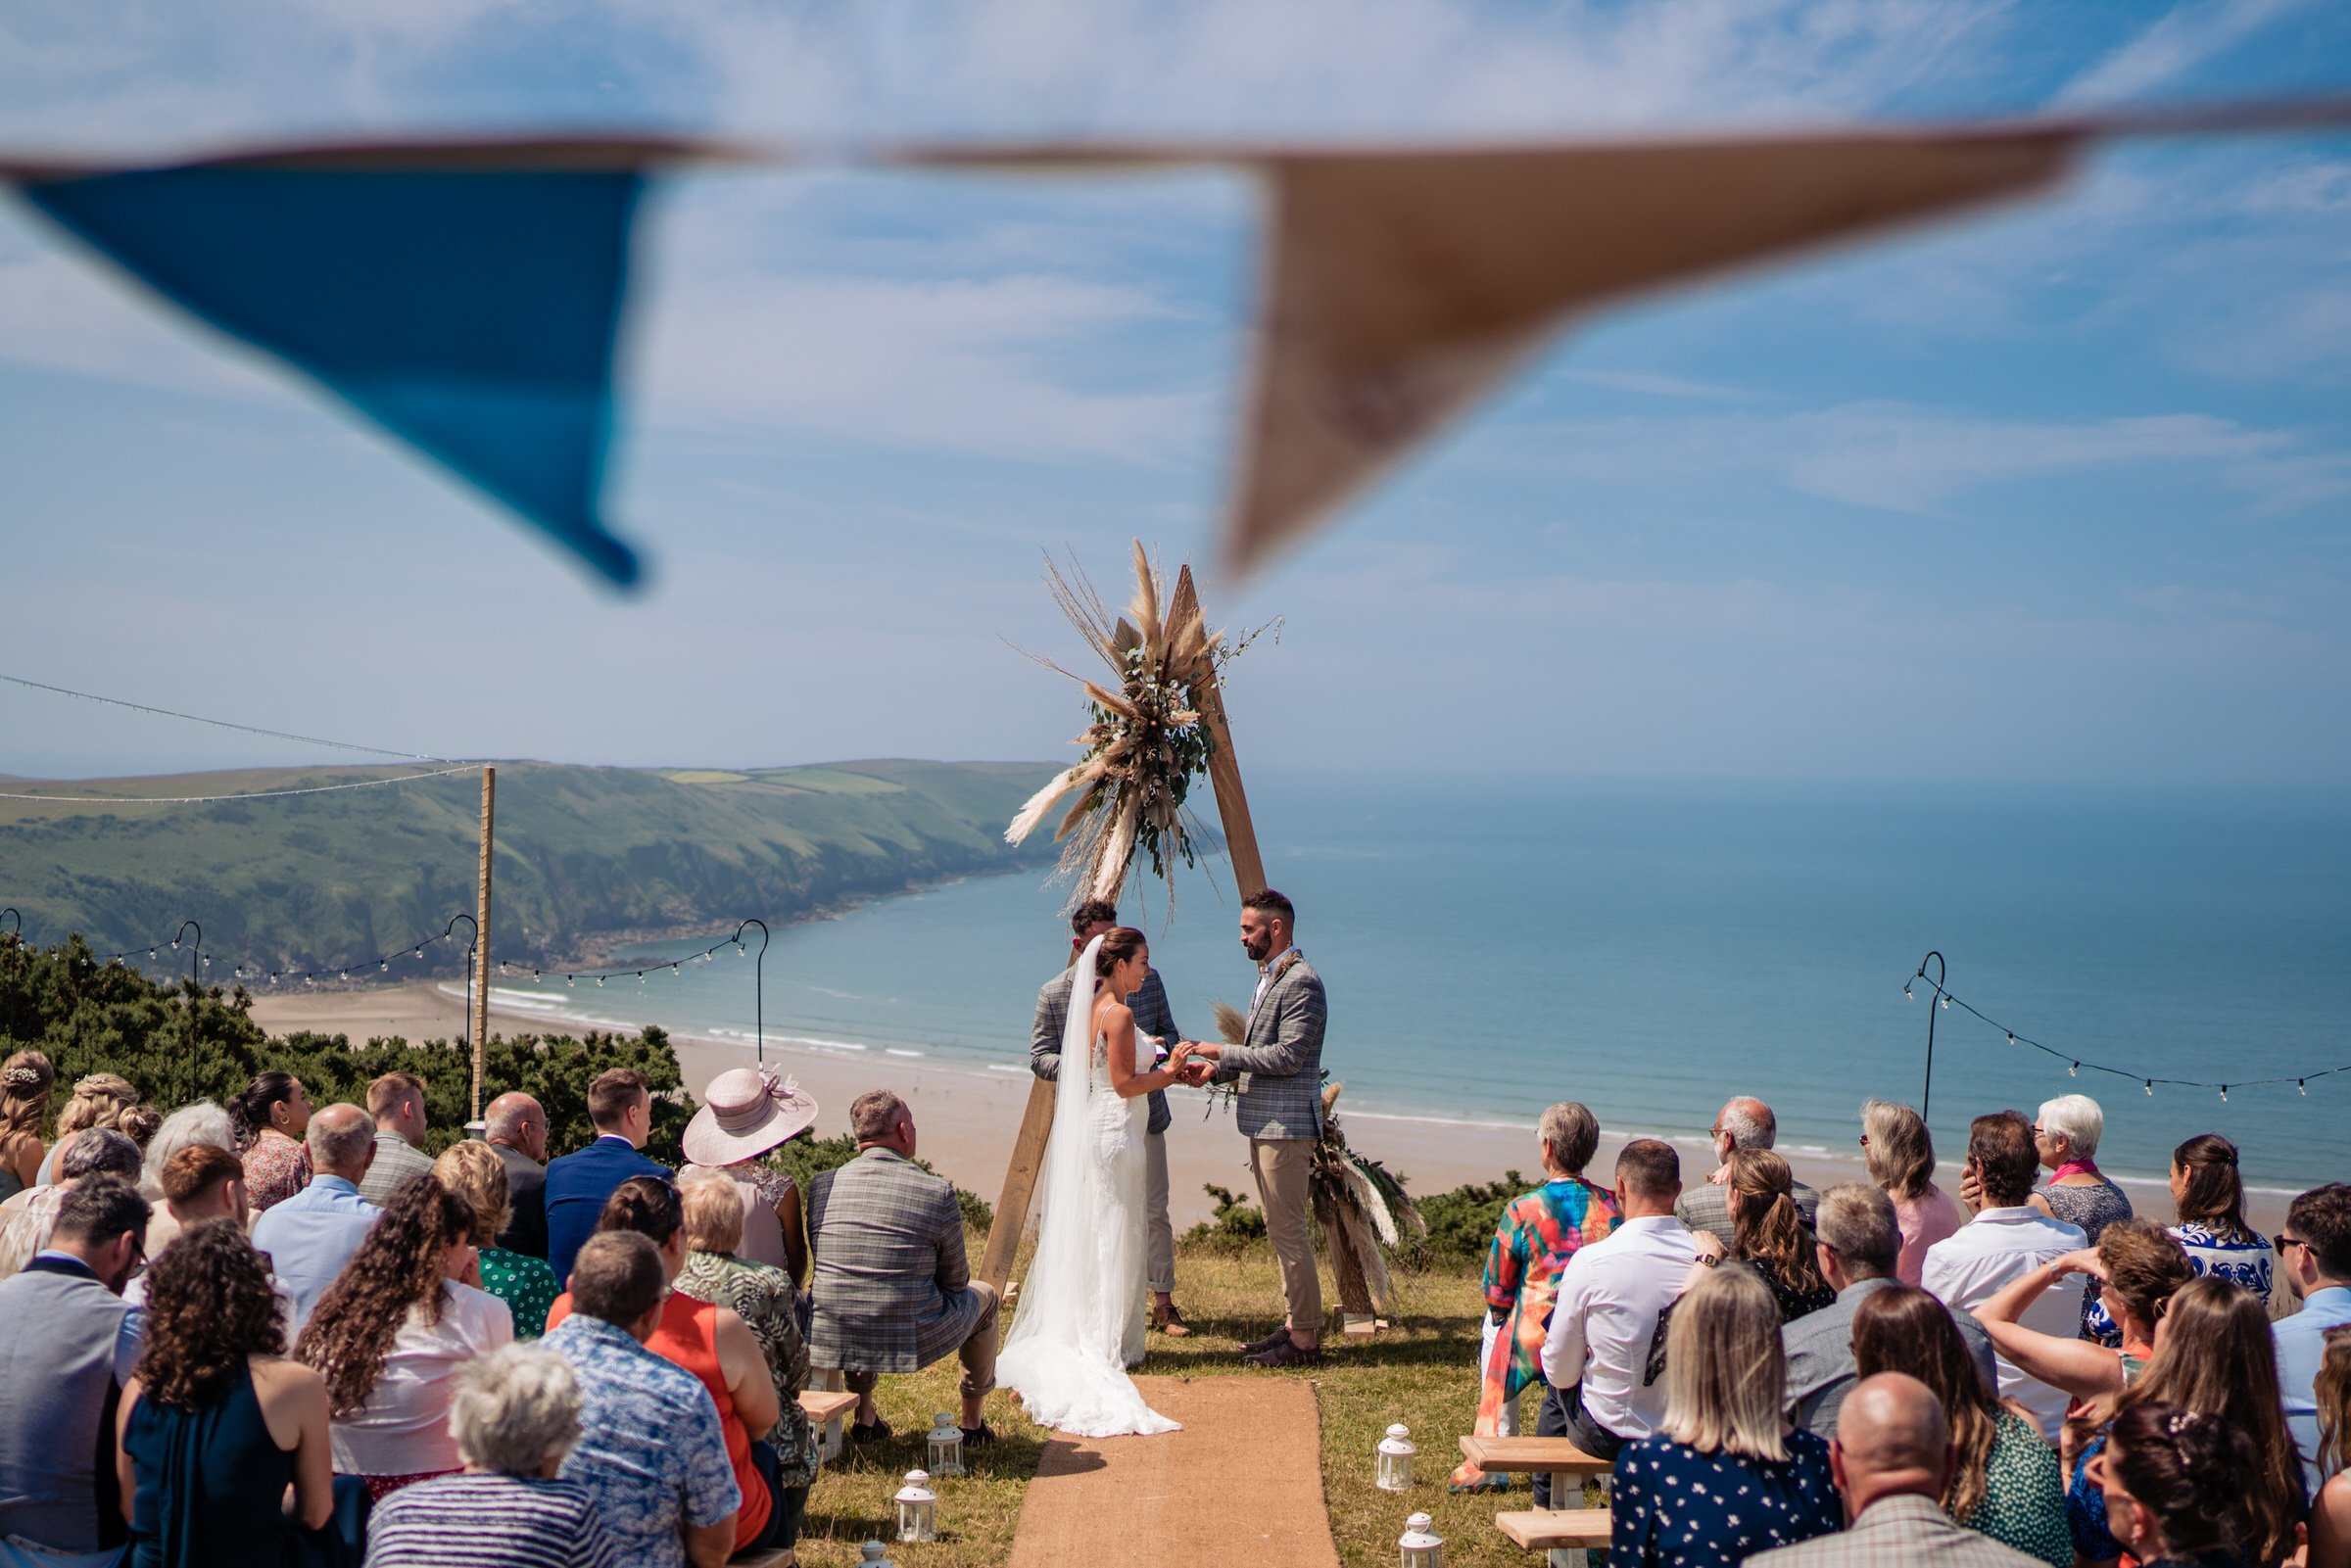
{"type": "Point", "coordinates": [945, 1445]}
{"type": "Point", "coordinates": [1420, 1546]}
{"type": "Point", "coordinates": [918, 1508]}
{"type": "Point", "coordinates": [870, 1555]}
{"type": "Point", "coordinates": [1396, 1461]}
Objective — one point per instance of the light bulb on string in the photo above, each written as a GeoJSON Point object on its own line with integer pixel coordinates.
{"type": "Point", "coordinates": [420, 948]}
{"type": "Point", "coordinates": [2223, 1094]}
{"type": "Point", "coordinates": [599, 980]}
{"type": "Point", "coordinates": [1906, 996]}
{"type": "Point", "coordinates": [572, 981]}
{"type": "Point", "coordinates": [2150, 1088]}
{"type": "Point", "coordinates": [1946, 1003]}
{"type": "Point", "coordinates": [151, 951]}
{"type": "Point", "coordinates": [174, 946]}
{"type": "Point", "coordinates": [385, 966]}
{"type": "Point", "coordinates": [2074, 1072]}
{"type": "Point", "coordinates": [741, 951]}
{"type": "Point", "coordinates": [2302, 1088]}
{"type": "Point", "coordinates": [2011, 1036]}
{"type": "Point", "coordinates": [641, 976]}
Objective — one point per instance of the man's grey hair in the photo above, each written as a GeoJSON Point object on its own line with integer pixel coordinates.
{"type": "Point", "coordinates": [874, 1113]}
{"type": "Point", "coordinates": [337, 1143]}
{"type": "Point", "coordinates": [1750, 1122]}
{"type": "Point", "coordinates": [515, 1409]}
{"type": "Point", "coordinates": [1573, 1133]}
{"type": "Point", "coordinates": [98, 1151]}
{"type": "Point", "coordinates": [185, 1128]}
{"type": "Point", "coordinates": [506, 1116]}
{"type": "Point", "coordinates": [1857, 1219]}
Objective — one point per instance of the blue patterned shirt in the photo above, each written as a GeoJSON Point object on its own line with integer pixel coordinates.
{"type": "Point", "coordinates": [1675, 1507]}
{"type": "Point", "coordinates": [651, 1452]}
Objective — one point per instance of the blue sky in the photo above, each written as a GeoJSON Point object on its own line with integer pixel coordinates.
{"type": "Point", "coordinates": [2059, 493]}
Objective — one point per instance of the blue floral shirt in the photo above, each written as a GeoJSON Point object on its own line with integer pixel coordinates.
{"type": "Point", "coordinates": [1675, 1507]}
{"type": "Point", "coordinates": [651, 1452]}
{"type": "Point", "coordinates": [2244, 1260]}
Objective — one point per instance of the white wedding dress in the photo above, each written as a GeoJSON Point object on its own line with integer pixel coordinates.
{"type": "Point", "coordinates": [1079, 1321]}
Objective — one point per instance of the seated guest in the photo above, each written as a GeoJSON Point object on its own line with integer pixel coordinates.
{"type": "Point", "coordinates": [391, 1333]}
{"type": "Point", "coordinates": [746, 1114]}
{"type": "Point", "coordinates": [26, 1080]}
{"type": "Point", "coordinates": [2005, 1482]}
{"type": "Point", "coordinates": [1892, 1458]}
{"type": "Point", "coordinates": [219, 1429]}
{"type": "Point", "coordinates": [272, 1116]}
{"type": "Point", "coordinates": [2065, 1136]}
{"type": "Point", "coordinates": [2208, 1194]}
{"type": "Point", "coordinates": [2213, 1358]}
{"type": "Point", "coordinates": [1900, 1153]}
{"type": "Point", "coordinates": [311, 1235]}
{"type": "Point", "coordinates": [201, 1122]}
{"type": "Point", "coordinates": [1598, 1387]}
{"type": "Point", "coordinates": [103, 1100]}
{"type": "Point", "coordinates": [25, 1221]}
{"type": "Point", "coordinates": [1725, 1476]}
{"type": "Point", "coordinates": [515, 1126]}
{"type": "Point", "coordinates": [2172, 1482]}
{"type": "Point", "coordinates": [2007, 1238]}
{"type": "Point", "coordinates": [714, 1344]}
{"type": "Point", "coordinates": [2141, 1267]}
{"type": "Point", "coordinates": [892, 1285]}
{"type": "Point", "coordinates": [1859, 1242]}
{"type": "Point", "coordinates": [765, 1299]}
{"type": "Point", "coordinates": [515, 1416]}
{"type": "Point", "coordinates": [1769, 1237]}
{"type": "Point", "coordinates": [2314, 1251]}
{"type": "Point", "coordinates": [651, 1454]}
{"type": "Point", "coordinates": [1743, 1123]}
{"type": "Point", "coordinates": [2331, 1510]}
{"type": "Point", "coordinates": [622, 1109]}
{"type": "Point", "coordinates": [67, 1351]}
{"type": "Point", "coordinates": [200, 1182]}
{"type": "Point", "coordinates": [475, 1173]}
{"type": "Point", "coordinates": [1538, 1233]}
{"type": "Point", "coordinates": [395, 1100]}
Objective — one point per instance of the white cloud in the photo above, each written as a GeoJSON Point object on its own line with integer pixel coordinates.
{"type": "Point", "coordinates": [2188, 35]}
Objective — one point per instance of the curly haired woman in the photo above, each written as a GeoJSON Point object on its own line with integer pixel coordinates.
{"type": "Point", "coordinates": [26, 1080]}
{"type": "Point", "coordinates": [391, 1331]}
{"type": "Point", "coordinates": [216, 1423]}
{"type": "Point", "coordinates": [105, 1100]}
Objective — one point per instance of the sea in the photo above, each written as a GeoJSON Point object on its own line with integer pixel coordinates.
{"type": "Point", "coordinates": [1652, 948]}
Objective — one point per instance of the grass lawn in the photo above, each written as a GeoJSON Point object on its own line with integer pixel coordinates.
{"type": "Point", "coordinates": [1418, 1372]}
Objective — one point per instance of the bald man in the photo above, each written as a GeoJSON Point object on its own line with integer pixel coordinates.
{"type": "Point", "coordinates": [1745, 1123]}
{"type": "Point", "coordinates": [312, 1234]}
{"type": "Point", "coordinates": [516, 1127]}
{"type": "Point", "coordinates": [1892, 1456]}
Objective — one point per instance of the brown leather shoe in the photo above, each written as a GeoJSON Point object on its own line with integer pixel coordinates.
{"type": "Point", "coordinates": [1280, 1336]}
{"type": "Point", "coordinates": [1289, 1353]}
{"type": "Point", "coordinates": [1168, 1320]}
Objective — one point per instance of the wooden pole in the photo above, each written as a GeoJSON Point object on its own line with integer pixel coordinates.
{"type": "Point", "coordinates": [481, 938]}
{"type": "Point", "coordinates": [1232, 802]}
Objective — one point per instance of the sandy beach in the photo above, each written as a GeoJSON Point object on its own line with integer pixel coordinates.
{"type": "Point", "coordinates": [967, 1119]}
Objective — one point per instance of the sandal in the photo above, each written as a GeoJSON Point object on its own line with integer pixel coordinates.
{"type": "Point", "coordinates": [1170, 1322]}
{"type": "Point", "coordinates": [1289, 1353]}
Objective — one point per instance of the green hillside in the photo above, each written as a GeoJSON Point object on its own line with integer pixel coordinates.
{"type": "Point", "coordinates": [588, 858]}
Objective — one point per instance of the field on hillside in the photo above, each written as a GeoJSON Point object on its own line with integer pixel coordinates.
{"type": "Point", "coordinates": [588, 858]}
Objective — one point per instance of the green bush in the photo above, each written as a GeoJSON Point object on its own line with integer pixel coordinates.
{"type": "Point", "coordinates": [804, 1158]}
{"type": "Point", "coordinates": [1237, 1225]}
{"type": "Point", "coordinates": [1462, 1222]}
{"type": "Point", "coordinates": [182, 1042]}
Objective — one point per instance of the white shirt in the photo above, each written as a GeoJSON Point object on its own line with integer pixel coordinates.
{"type": "Point", "coordinates": [1970, 1267]}
{"type": "Point", "coordinates": [1611, 1294]}
{"type": "Point", "coordinates": [404, 1427]}
{"type": "Point", "coordinates": [1265, 975]}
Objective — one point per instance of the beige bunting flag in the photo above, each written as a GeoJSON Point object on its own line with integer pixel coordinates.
{"type": "Point", "coordinates": [1401, 286]}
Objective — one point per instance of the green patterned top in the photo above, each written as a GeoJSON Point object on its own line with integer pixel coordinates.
{"type": "Point", "coordinates": [525, 1284]}
{"type": "Point", "coordinates": [2024, 1494]}
{"type": "Point", "coordinates": [765, 1299]}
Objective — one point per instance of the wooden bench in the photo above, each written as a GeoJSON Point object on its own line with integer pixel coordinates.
{"type": "Point", "coordinates": [1564, 1532]}
{"type": "Point", "coordinates": [1558, 1458]}
{"type": "Point", "coordinates": [828, 1405]}
{"type": "Point", "coordinates": [1555, 1529]}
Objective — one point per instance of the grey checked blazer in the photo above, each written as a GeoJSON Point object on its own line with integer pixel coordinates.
{"type": "Point", "coordinates": [1898, 1532]}
{"type": "Point", "coordinates": [1819, 1351]}
{"type": "Point", "coordinates": [1704, 1205]}
{"type": "Point", "coordinates": [1279, 1062]}
{"type": "Point", "coordinates": [891, 1284]}
{"type": "Point", "coordinates": [1151, 1017]}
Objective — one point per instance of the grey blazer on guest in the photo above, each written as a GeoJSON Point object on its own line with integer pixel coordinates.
{"type": "Point", "coordinates": [1706, 1205]}
{"type": "Point", "coordinates": [1902, 1531]}
{"type": "Point", "coordinates": [1149, 1005]}
{"type": "Point", "coordinates": [1279, 1062]}
{"type": "Point", "coordinates": [1819, 1350]}
{"type": "Point", "coordinates": [891, 1284]}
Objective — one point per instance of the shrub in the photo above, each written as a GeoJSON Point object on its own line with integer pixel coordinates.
{"type": "Point", "coordinates": [1462, 1222]}
{"type": "Point", "coordinates": [1238, 1223]}
{"type": "Point", "coordinates": [804, 1158]}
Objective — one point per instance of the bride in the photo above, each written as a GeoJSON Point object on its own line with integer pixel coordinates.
{"type": "Point", "coordinates": [1080, 1318]}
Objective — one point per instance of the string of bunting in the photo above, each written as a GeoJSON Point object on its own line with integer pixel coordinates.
{"type": "Point", "coordinates": [2075, 1065]}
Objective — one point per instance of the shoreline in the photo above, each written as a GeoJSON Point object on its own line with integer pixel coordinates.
{"type": "Point", "coordinates": [967, 1116]}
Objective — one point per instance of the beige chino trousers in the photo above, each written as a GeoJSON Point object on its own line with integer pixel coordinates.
{"type": "Point", "coordinates": [1281, 1166]}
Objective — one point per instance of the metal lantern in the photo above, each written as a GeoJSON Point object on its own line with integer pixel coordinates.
{"type": "Point", "coordinates": [870, 1555]}
{"type": "Point", "coordinates": [918, 1508]}
{"type": "Point", "coordinates": [1420, 1546]}
{"type": "Point", "coordinates": [1396, 1461]}
{"type": "Point", "coordinates": [946, 1446]}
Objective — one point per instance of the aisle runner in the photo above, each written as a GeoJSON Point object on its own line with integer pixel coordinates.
{"type": "Point", "coordinates": [1241, 1483]}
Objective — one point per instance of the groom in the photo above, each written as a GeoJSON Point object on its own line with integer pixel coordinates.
{"type": "Point", "coordinates": [1279, 1066]}
{"type": "Point", "coordinates": [1098, 917]}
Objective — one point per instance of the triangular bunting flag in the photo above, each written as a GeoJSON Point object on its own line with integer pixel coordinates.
{"type": "Point", "coordinates": [466, 298]}
{"type": "Point", "coordinates": [1401, 286]}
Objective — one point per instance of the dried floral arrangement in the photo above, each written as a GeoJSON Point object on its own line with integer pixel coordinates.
{"type": "Point", "coordinates": [1148, 742]}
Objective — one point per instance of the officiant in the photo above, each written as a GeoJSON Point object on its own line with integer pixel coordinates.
{"type": "Point", "coordinates": [1092, 918]}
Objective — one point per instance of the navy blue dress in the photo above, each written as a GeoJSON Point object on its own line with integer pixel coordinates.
{"type": "Point", "coordinates": [1675, 1507]}
{"type": "Point", "coordinates": [212, 1485]}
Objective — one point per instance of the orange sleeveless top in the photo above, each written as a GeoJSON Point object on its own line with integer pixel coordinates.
{"type": "Point", "coordinates": [688, 1338]}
